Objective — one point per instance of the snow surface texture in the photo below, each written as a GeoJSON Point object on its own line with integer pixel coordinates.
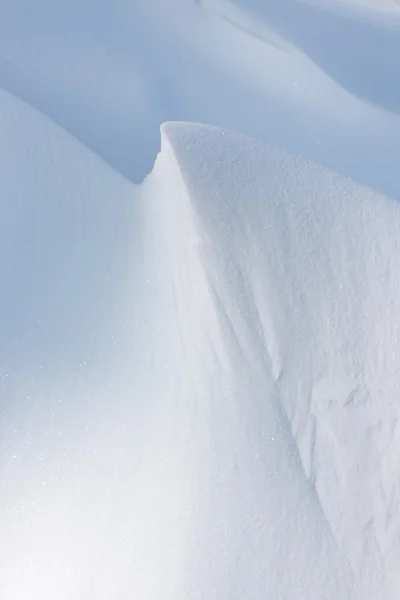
{"type": "Point", "coordinates": [199, 375]}
{"type": "Point", "coordinates": [323, 84]}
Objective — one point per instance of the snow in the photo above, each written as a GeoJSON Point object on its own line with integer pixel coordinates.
{"type": "Point", "coordinates": [282, 71]}
{"type": "Point", "coordinates": [66, 235]}
{"type": "Point", "coordinates": [198, 357]}
{"type": "Point", "coordinates": [361, 6]}
{"type": "Point", "coordinates": [194, 372]}
{"type": "Point", "coordinates": [303, 270]}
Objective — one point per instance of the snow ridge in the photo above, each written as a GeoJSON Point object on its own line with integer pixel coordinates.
{"type": "Point", "coordinates": [201, 398]}
{"type": "Point", "coordinates": [298, 271]}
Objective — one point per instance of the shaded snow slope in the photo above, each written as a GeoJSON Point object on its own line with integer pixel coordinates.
{"type": "Point", "coordinates": [63, 227]}
{"type": "Point", "coordinates": [387, 7]}
{"type": "Point", "coordinates": [198, 375]}
{"type": "Point", "coordinates": [357, 49]}
{"type": "Point", "coordinates": [71, 265]}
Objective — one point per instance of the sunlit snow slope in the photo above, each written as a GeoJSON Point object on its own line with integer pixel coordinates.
{"type": "Point", "coordinates": [199, 375]}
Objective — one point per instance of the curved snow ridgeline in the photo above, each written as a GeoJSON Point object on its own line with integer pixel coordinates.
{"type": "Point", "coordinates": [199, 375]}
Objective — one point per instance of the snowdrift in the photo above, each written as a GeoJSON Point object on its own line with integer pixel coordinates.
{"type": "Point", "coordinates": [297, 298]}
{"type": "Point", "coordinates": [199, 386]}
{"type": "Point", "coordinates": [69, 252]}
{"type": "Point", "coordinates": [320, 83]}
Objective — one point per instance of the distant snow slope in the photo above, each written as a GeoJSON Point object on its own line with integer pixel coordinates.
{"type": "Point", "coordinates": [199, 376]}
{"type": "Point", "coordinates": [385, 6]}
{"type": "Point", "coordinates": [355, 48]}
{"type": "Point", "coordinates": [318, 83]}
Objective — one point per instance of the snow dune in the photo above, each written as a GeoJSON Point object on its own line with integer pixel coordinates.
{"type": "Point", "coordinates": [319, 83]}
{"type": "Point", "coordinates": [199, 374]}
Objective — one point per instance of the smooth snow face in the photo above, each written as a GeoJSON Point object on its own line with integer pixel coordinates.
{"type": "Point", "coordinates": [70, 263]}
{"type": "Point", "coordinates": [356, 50]}
{"type": "Point", "coordinates": [315, 82]}
{"type": "Point", "coordinates": [199, 376]}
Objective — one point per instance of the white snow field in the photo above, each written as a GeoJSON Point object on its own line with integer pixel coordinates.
{"type": "Point", "coordinates": [199, 348]}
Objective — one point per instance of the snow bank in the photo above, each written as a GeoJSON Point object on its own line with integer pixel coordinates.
{"type": "Point", "coordinates": [199, 375]}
